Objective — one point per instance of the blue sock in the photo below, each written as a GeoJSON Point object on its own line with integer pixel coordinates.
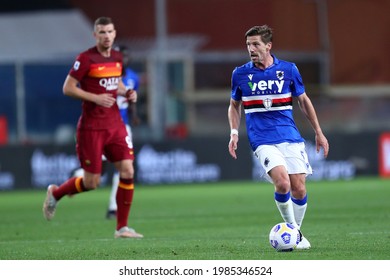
{"type": "Point", "coordinates": [301, 202]}
{"type": "Point", "coordinates": [282, 197]}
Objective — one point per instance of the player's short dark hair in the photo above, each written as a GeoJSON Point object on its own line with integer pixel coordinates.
{"type": "Point", "coordinates": [103, 21]}
{"type": "Point", "coordinates": [264, 31]}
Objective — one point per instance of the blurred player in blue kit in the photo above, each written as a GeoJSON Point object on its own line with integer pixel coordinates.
{"type": "Point", "coordinates": [265, 87]}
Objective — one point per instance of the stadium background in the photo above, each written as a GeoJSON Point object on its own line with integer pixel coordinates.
{"type": "Point", "coordinates": [185, 52]}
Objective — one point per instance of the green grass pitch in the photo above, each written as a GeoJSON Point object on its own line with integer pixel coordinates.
{"type": "Point", "coordinates": [346, 220]}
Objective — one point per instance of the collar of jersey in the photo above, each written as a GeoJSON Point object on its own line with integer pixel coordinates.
{"type": "Point", "coordinates": [276, 61]}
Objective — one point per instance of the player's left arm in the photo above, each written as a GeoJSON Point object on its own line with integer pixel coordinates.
{"type": "Point", "coordinates": [307, 108]}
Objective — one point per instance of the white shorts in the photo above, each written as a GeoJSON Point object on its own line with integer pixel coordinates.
{"type": "Point", "coordinates": [293, 156]}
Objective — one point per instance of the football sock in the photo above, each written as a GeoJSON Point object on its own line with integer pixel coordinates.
{"type": "Point", "coordinates": [71, 186]}
{"type": "Point", "coordinates": [284, 204]}
{"type": "Point", "coordinates": [114, 188]}
{"type": "Point", "coordinates": [299, 206]}
{"type": "Point", "coordinates": [124, 197]}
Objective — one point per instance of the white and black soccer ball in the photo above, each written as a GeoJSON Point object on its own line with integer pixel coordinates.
{"type": "Point", "coordinates": [284, 237]}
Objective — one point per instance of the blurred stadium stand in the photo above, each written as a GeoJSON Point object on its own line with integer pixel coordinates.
{"type": "Point", "coordinates": [185, 52]}
{"type": "Point", "coordinates": [349, 87]}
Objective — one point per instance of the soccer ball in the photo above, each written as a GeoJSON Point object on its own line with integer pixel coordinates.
{"type": "Point", "coordinates": [284, 237]}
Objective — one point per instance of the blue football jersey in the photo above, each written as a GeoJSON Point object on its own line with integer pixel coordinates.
{"type": "Point", "coordinates": [267, 99]}
{"type": "Point", "coordinates": [131, 81]}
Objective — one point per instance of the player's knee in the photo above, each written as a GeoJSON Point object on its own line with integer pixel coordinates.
{"type": "Point", "coordinates": [299, 191]}
{"type": "Point", "coordinates": [91, 184]}
{"type": "Point", "coordinates": [91, 187]}
{"type": "Point", "coordinates": [298, 186]}
{"type": "Point", "coordinates": [281, 180]}
{"type": "Point", "coordinates": [282, 185]}
{"type": "Point", "coordinates": [127, 172]}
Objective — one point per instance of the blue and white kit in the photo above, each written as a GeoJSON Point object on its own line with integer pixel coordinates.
{"type": "Point", "coordinates": [131, 81]}
{"type": "Point", "coordinates": [267, 98]}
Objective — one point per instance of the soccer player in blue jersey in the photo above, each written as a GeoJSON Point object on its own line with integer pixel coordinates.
{"type": "Point", "coordinates": [265, 87]}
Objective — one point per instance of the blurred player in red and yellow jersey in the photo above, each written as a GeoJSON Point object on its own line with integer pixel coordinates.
{"type": "Point", "coordinates": [96, 79]}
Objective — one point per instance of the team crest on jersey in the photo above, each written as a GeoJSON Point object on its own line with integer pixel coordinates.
{"type": "Point", "coordinates": [267, 103]}
{"type": "Point", "coordinates": [280, 75]}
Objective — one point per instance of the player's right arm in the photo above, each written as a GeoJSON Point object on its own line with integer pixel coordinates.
{"type": "Point", "coordinates": [234, 113]}
{"type": "Point", "coordinates": [234, 116]}
{"type": "Point", "coordinates": [71, 88]}
{"type": "Point", "coordinates": [77, 73]}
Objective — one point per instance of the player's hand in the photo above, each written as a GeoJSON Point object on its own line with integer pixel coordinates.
{"type": "Point", "coordinates": [105, 100]}
{"type": "Point", "coordinates": [131, 95]}
{"type": "Point", "coordinates": [321, 141]}
{"type": "Point", "coordinates": [233, 145]}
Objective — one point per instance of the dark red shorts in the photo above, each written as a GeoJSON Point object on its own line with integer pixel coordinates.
{"type": "Point", "coordinates": [113, 143]}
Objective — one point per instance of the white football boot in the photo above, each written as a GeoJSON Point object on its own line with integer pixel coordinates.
{"type": "Point", "coordinates": [50, 203]}
{"type": "Point", "coordinates": [303, 244]}
{"type": "Point", "coordinates": [126, 232]}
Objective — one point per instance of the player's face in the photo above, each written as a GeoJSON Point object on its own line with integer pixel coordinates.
{"type": "Point", "coordinates": [105, 36]}
{"type": "Point", "coordinates": [258, 51]}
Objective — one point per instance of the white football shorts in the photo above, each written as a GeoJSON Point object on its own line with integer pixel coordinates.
{"type": "Point", "coordinates": [293, 156]}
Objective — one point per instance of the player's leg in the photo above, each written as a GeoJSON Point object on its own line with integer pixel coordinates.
{"type": "Point", "coordinates": [112, 207]}
{"type": "Point", "coordinates": [299, 196]}
{"type": "Point", "coordinates": [119, 151]}
{"type": "Point", "coordinates": [272, 161]}
{"type": "Point", "coordinates": [299, 167]}
{"type": "Point", "coordinates": [282, 193]}
{"type": "Point", "coordinates": [72, 186]}
{"type": "Point", "coordinates": [90, 150]}
{"type": "Point", "coordinates": [299, 201]}
{"type": "Point", "coordinates": [124, 198]}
